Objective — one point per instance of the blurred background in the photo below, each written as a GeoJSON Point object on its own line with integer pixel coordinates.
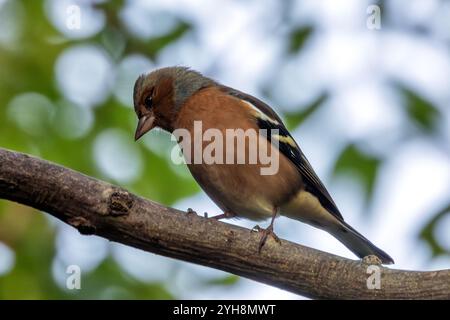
{"type": "Point", "coordinates": [365, 95]}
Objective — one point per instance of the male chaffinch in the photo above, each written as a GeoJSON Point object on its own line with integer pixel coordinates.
{"type": "Point", "coordinates": [176, 97]}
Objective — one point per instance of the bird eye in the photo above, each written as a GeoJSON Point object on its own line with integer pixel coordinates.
{"type": "Point", "coordinates": [148, 102]}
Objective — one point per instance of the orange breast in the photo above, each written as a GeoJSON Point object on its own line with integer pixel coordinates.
{"type": "Point", "coordinates": [237, 167]}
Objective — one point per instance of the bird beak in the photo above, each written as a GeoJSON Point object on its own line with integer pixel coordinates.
{"type": "Point", "coordinates": [145, 124]}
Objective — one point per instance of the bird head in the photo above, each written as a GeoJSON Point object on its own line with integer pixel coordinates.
{"type": "Point", "coordinates": [159, 95]}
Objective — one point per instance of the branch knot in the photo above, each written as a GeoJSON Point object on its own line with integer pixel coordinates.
{"type": "Point", "coordinates": [120, 203]}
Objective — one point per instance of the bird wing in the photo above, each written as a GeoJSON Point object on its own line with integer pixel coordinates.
{"type": "Point", "coordinates": [269, 120]}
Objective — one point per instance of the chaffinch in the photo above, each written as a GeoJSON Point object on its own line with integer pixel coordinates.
{"type": "Point", "coordinates": [176, 98]}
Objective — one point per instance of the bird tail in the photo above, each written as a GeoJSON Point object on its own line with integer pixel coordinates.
{"type": "Point", "coordinates": [358, 244]}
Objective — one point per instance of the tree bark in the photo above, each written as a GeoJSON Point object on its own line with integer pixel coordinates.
{"type": "Point", "coordinates": [96, 207]}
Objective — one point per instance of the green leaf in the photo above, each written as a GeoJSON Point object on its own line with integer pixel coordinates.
{"type": "Point", "coordinates": [294, 119]}
{"type": "Point", "coordinates": [160, 42]}
{"type": "Point", "coordinates": [154, 45]}
{"type": "Point", "coordinates": [363, 166]}
{"type": "Point", "coordinates": [110, 6]}
{"type": "Point", "coordinates": [420, 111]}
{"type": "Point", "coordinates": [298, 38]}
{"type": "Point", "coordinates": [224, 281]}
{"type": "Point", "coordinates": [427, 233]}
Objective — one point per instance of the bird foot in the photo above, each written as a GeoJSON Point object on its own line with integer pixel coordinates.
{"type": "Point", "coordinates": [191, 212]}
{"type": "Point", "coordinates": [265, 233]}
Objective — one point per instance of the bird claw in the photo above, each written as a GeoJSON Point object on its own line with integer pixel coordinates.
{"type": "Point", "coordinates": [265, 233]}
{"type": "Point", "coordinates": [191, 212]}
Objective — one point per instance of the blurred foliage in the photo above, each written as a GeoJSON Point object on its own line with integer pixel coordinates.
{"type": "Point", "coordinates": [32, 238]}
{"type": "Point", "coordinates": [298, 38]}
{"type": "Point", "coordinates": [109, 281]}
{"type": "Point", "coordinates": [294, 119]}
{"type": "Point", "coordinates": [27, 72]}
{"type": "Point", "coordinates": [420, 111]}
{"type": "Point", "coordinates": [428, 233]}
{"type": "Point", "coordinates": [28, 67]}
{"type": "Point", "coordinates": [150, 47]}
{"type": "Point", "coordinates": [225, 281]}
{"type": "Point", "coordinates": [354, 162]}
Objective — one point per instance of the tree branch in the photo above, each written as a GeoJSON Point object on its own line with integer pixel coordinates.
{"type": "Point", "coordinates": [97, 207]}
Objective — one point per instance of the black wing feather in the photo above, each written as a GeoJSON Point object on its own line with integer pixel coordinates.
{"type": "Point", "coordinates": [310, 179]}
